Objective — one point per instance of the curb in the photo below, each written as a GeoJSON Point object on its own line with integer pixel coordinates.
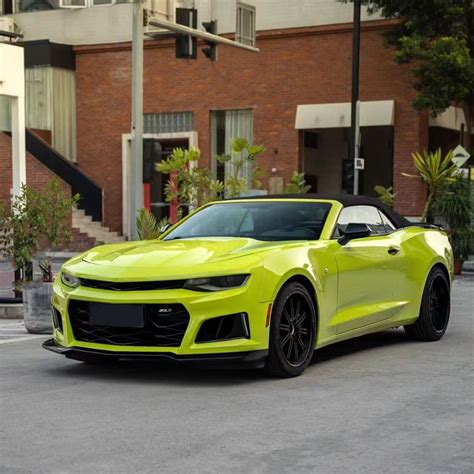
{"type": "Point", "coordinates": [11, 311]}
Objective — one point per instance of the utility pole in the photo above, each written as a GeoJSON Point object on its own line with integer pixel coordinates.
{"type": "Point", "coordinates": [136, 201]}
{"type": "Point", "coordinates": [355, 105]}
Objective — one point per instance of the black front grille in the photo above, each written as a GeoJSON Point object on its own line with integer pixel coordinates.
{"type": "Point", "coordinates": [133, 286]}
{"type": "Point", "coordinates": [162, 328]}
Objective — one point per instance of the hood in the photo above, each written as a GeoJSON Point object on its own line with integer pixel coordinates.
{"type": "Point", "coordinates": [169, 259]}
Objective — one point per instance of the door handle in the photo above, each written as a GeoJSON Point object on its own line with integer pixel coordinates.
{"type": "Point", "coordinates": [393, 250]}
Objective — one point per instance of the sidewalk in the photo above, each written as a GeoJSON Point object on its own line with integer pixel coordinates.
{"type": "Point", "coordinates": [468, 265]}
{"type": "Point", "coordinates": [12, 330]}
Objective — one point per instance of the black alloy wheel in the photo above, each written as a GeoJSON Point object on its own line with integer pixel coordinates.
{"type": "Point", "coordinates": [439, 303]}
{"type": "Point", "coordinates": [292, 332]}
{"type": "Point", "coordinates": [295, 329]}
{"type": "Point", "coordinates": [435, 308]}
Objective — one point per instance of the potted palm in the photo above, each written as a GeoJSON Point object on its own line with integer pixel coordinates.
{"type": "Point", "coordinates": [35, 219]}
{"type": "Point", "coordinates": [454, 207]}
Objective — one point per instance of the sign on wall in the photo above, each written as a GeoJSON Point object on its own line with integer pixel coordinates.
{"type": "Point", "coordinates": [460, 156]}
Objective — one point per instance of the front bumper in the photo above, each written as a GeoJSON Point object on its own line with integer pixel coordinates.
{"type": "Point", "coordinates": [253, 358]}
{"type": "Point", "coordinates": [201, 307]}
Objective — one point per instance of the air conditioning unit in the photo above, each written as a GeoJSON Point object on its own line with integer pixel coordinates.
{"type": "Point", "coordinates": [9, 29]}
{"type": "Point", "coordinates": [162, 10]}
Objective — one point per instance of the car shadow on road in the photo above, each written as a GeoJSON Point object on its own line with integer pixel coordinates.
{"type": "Point", "coordinates": [358, 344]}
{"type": "Point", "coordinates": [154, 372]}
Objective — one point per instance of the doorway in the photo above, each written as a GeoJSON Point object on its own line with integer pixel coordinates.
{"type": "Point", "coordinates": [158, 204]}
{"type": "Point", "coordinates": [327, 167]}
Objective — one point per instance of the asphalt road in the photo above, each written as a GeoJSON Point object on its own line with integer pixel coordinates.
{"type": "Point", "coordinates": [378, 404]}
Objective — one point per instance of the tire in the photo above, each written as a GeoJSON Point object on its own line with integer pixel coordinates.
{"type": "Point", "coordinates": [435, 308]}
{"type": "Point", "coordinates": [292, 332]}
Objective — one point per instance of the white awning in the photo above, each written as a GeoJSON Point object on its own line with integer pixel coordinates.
{"type": "Point", "coordinates": [372, 113]}
{"type": "Point", "coordinates": [451, 118]}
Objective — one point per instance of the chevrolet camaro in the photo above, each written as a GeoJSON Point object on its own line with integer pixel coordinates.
{"type": "Point", "coordinates": [262, 280]}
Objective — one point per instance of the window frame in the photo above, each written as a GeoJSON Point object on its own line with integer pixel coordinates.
{"type": "Point", "coordinates": [219, 116]}
{"type": "Point", "coordinates": [240, 204]}
{"type": "Point", "coordinates": [239, 37]}
{"type": "Point", "coordinates": [382, 215]}
{"type": "Point", "coordinates": [87, 4]}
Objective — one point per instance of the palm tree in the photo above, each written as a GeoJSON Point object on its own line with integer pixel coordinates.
{"type": "Point", "coordinates": [437, 173]}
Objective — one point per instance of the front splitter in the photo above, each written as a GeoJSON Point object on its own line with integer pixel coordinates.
{"type": "Point", "coordinates": [253, 358]}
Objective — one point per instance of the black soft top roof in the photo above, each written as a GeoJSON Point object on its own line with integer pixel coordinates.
{"type": "Point", "coordinates": [347, 200]}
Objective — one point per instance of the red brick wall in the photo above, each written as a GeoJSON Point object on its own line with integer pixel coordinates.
{"type": "Point", "coordinates": [37, 175]}
{"type": "Point", "coordinates": [304, 66]}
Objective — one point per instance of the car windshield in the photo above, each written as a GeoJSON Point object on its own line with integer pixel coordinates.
{"type": "Point", "coordinates": [272, 221]}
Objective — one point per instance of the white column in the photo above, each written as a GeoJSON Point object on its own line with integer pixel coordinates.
{"type": "Point", "coordinates": [12, 84]}
{"type": "Point", "coordinates": [18, 144]}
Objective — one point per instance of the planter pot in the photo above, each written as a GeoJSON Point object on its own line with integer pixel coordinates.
{"type": "Point", "coordinates": [37, 308]}
{"type": "Point", "coordinates": [458, 266]}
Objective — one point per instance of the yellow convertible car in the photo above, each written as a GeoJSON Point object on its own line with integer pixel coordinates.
{"type": "Point", "coordinates": [262, 280]}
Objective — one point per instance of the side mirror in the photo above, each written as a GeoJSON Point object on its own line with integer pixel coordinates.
{"type": "Point", "coordinates": [354, 231]}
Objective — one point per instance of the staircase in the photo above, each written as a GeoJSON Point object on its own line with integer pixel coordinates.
{"type": "Point", "coordinates": [93, 229]}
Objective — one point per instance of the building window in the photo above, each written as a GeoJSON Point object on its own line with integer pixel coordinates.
{"type": "Point", "coordinates": [6, 7]}
{"type": "Point", "coordinates": [245, 31]}
{"type": "Point", "coordinates": [84, 3]}
{"type": "Point", "coordinates": [171, 122]}
{"type": "Point", "coordinates": [225, 126]}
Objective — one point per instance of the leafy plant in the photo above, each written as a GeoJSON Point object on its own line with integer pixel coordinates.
{"type": "Point", "coordinates": [386, 195]}
{"type": "Point", "coordinates": [148, 227]}
{"type": "Point", "coordinates": [242, 156]}
{"type": "Point", "coordinates": [188, 184]}
{"type": "Point", "coordinates": [297, 184]}
{"type": "Point", "coordinates": [455, 207]}
{"type": "Point", "coordinates": [35, 215]}
{"type": "Point", "coordinates": [461, 241]}
{"type": "Point", "coordinates": [437, 173]}
{"type": "Point", "coordinates": [436, 36]}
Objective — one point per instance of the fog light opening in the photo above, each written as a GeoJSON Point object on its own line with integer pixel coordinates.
{"type": "Point", "coordinates": [57, 319]}
{"type": "Point", "coordinates": [223, 328]}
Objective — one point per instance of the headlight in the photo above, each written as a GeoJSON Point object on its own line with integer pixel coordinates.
{"type": "Point", "coordinates": [70, 280]}
{"type": "Point", "coordinates": [216, 283]}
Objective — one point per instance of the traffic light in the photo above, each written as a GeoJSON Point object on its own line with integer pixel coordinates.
{"type": "Point", "coordinates": [186, 45]}
{"type": "Point", "coordinates": [211, 50]}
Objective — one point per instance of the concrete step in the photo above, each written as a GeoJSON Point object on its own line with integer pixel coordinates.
{"type": "Point", "coordinates": [11, 311]}
{"type": "Point", "coordinates": [94, 229]}
{"type": "Point", "coordinates": [78, 212]}
{"type": "Point", "coordinates": [91, 226]}
{"type": "Point", "coordinates": [468, 265]}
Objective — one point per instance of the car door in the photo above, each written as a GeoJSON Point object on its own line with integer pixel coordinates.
{"type": "Point", "coordinates": [371, 276]}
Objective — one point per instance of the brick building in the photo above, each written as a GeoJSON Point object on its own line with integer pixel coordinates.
{"type": "Point", "coordinates": [291, 97]}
